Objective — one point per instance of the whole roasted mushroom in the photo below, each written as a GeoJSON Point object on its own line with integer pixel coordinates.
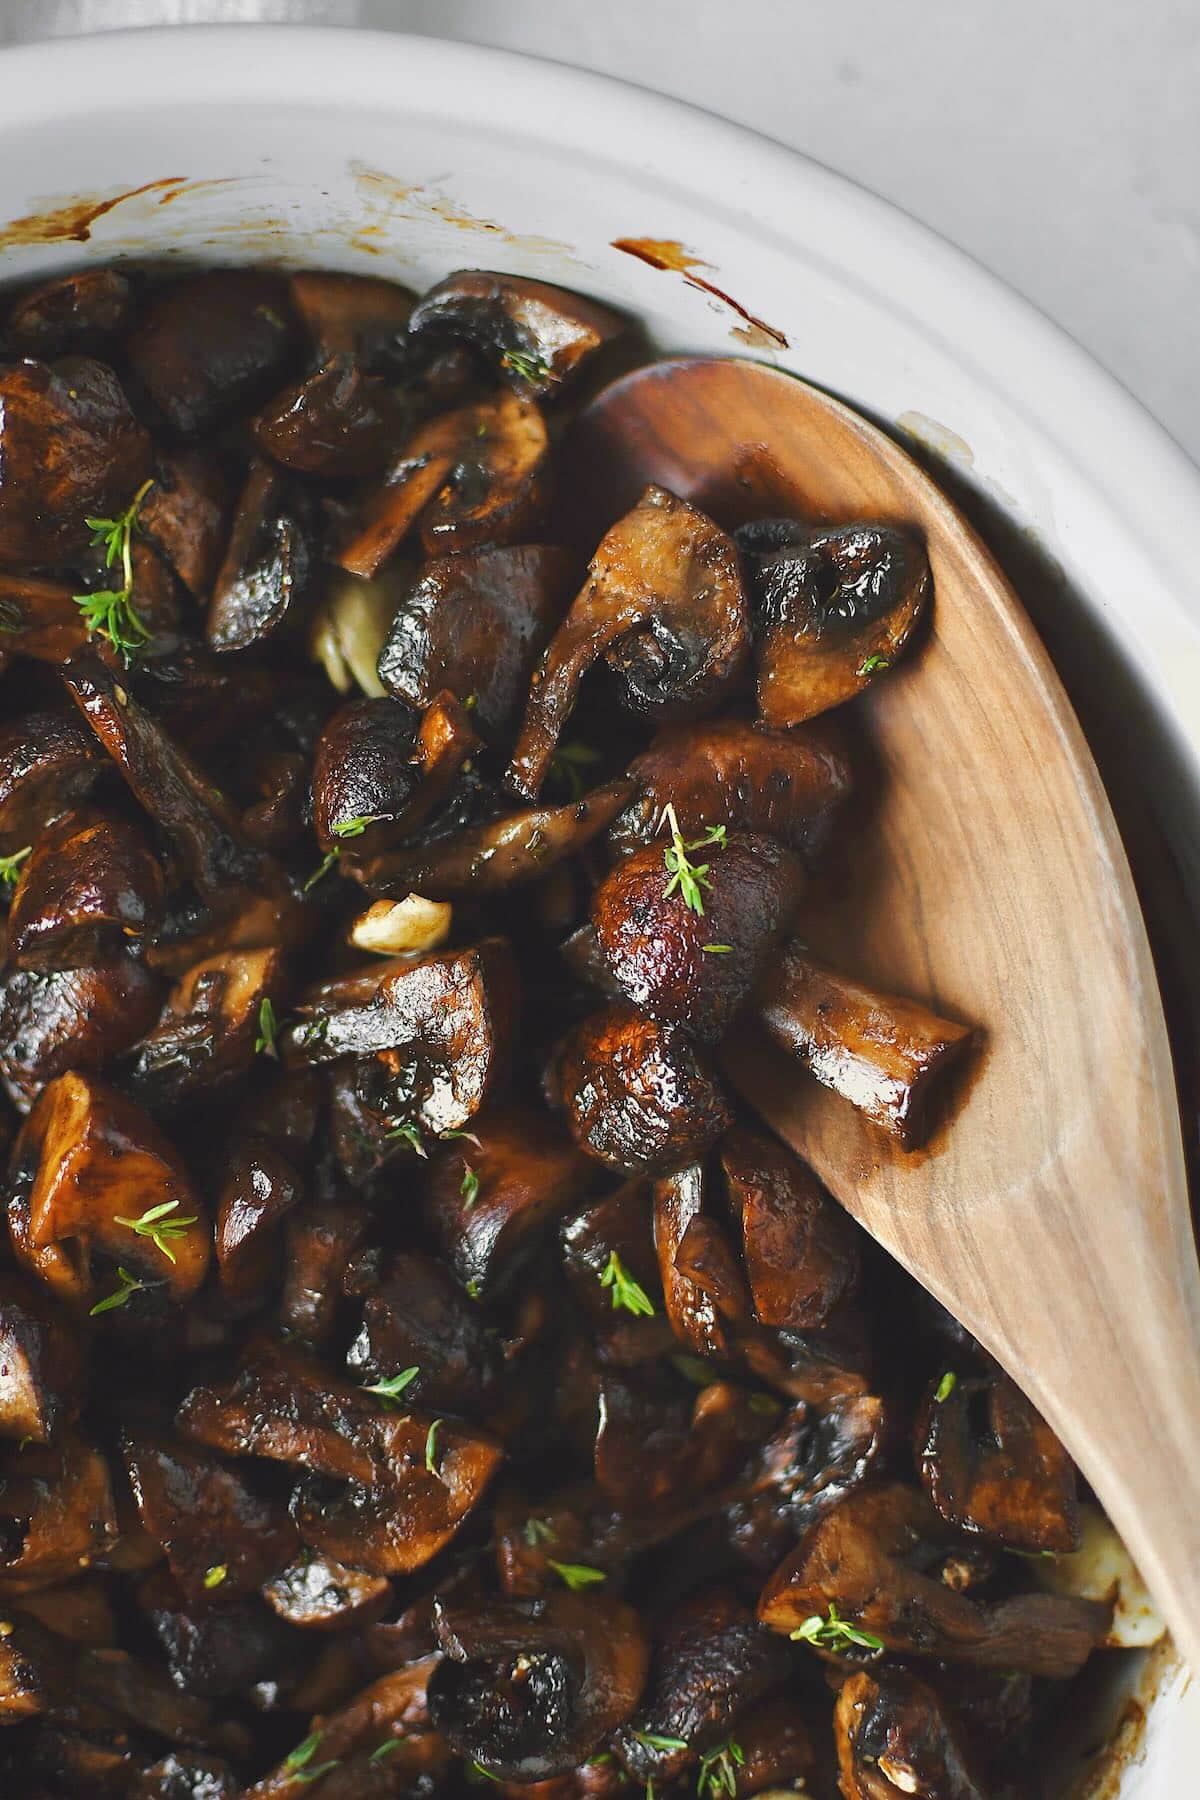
{"type": "Point", "coordinates": [528, 1690]}
{"type": "Point", "coordinates": [90, 885]}
{"type": "Point", "coordinates": [209, 345]}
{"type": "Point", "coordinates": [71, 1019]}
{"type": "Point", "coordinates": [49, 763]}
{"type": "Point", "coordinates": [637, 1094]}
{"type": "Point", "coordinates": [834, 609]}
{"type": "Point", "coordinates": [365, 774]}
{"type": "Point", "coordinates": [664, 602]}
{"type": "Point", "coordinates": [335, 423]}
{"type": "Point", "coordinates": [76, 311]}
{"type": "Point", "coordinates": [538, 336]}
{"type": "Point", "coordinates": [894, 1738]}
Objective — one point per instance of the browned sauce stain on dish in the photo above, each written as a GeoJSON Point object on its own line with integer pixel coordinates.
{"type": "Point", "coordinates": [191, 188]}
{"type": "Point", "coordinates": [669, 253]}
{"type": "Point", "coordinates": [387, 197]}
{"type": "Point", "coordinates": [72, 220]}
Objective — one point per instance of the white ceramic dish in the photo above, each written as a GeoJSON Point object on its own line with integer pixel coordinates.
{"type": "Point", "coordinates": [408, 157]}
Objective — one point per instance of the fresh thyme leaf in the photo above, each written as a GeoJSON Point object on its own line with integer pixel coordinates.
{"type": "Point", "coordinates": [299, 1762]}
{"type": "Point", "coordinates": [946, 1386]}
{"type": "Point", "coordinates": [482, 1774]}
{"type": "Point", "coordinates": [626, 1291]}
{"type": "Point", "coordinates": [655, 1741]}
{"type": "Point", "coordinates": [268, 1025]}
{"type": "Point", "coordinates": [577, 1575]}
{"type": "Point", "coordinates": [110, 613]}
{"type": "Point", "coordinates": [158, 1227]}
{"type": "Point", "coordinates": [530, 368]}
{"type": "Point", "coordinates": [394, 1385]}
{"type": "Point", "coordinates": [600, 1759]}
{"type": "Point", "coordinates": [445, 1137]}
{"type": "Point", "coordinates": [431, 1446]}
{"type": "Point", "coordinates": [874, 665]}
{"type": "Point", "coordinates": [567, 766]}
{"type": "Point", "coordinates": [410, 1133]}
{"type": "Point", "coordinates": [718, 1770]}
{"type": "Point", "coordinates": [129, 1285]}
{"type": "Point", "coordinates": [717, 949]}
{"type": "Point", "coordinates": [469, 1187]}
{"type": "Point", "coordinates": [384, 1750]}
{"type": "Point", "coordinates": [689, 877]}
{"type": "Point", "coordinates": [473, 1289]}
{"type": "Point", "coordinates": [538, 1531]}
{"type": "Point", "coordinates": [215, 1576]}
{"type": "Point", "coordinates": [322, 869]}
{"type": "Point", "coordinates": [10, 866]}
{"type": "Point", "coordinates": [318, 1769]}
{"type": "Point", "coordinates": [351, 828]}
{"type": "Point", "coordinates": [834, 1633]}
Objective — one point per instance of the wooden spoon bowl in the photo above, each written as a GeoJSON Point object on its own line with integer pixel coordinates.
{"type": "Point", "coordinates": [985, 876]}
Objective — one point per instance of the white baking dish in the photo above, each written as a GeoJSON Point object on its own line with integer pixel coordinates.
{"type": "Point", "coordinates": [408, 157]}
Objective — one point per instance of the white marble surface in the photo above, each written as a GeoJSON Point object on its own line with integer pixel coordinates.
{"type": "Point", "coordinates": [1058, 141]}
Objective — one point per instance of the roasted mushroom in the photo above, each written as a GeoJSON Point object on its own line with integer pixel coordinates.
{"type": "Point", "coordinates": [664, 602]}
{"type": "Point", "coordinates": [77, 311]}
{"type": "Point", "coordinates": [42, 1378]}
{"type": "Point", "coordinates": [365, 774]}
{"type": "Point", "coordinates": [184, 517]}
{"type": "Point", "coordinates": [422, 1338]}
{"type": "Point", "coordinates": [49, 763]}
{"type": "Point", "coordinates": [697, 1316]}
{"type": "Point", "coordinates": [800, 1249]}
{"type": "Point", "coordinates": [538, 336]}
{"type": "Point", "coordinates": [56, 1512]}
{"type": "Point", "coordinates": [335, 423]}
{"type": "Point", "coordinates": [90, 885]}
{"type": "Point", "coordinates": [834, 609]}
{"type": "Point", "coordinates": [894, 1738]}
{"type": "Point", "coordinates": [357, 314]}
{"type": "Point", "coordinates": [260, 1188]}
{"type": "Point", "coordinates": [210, 345]}
{"type": "Point", "coordinates": [78, 1019]}
{"type": "Point", "coordinates": [316, 1594]}
{"type": "Point", "coordinates": [808, 1464]}
{"type": "Point", "coordinates": [270, 570]}
{"type": "Point", "coordinates": [211, 1027]}
{"type": "Point", "coordinates": [637, 1094]}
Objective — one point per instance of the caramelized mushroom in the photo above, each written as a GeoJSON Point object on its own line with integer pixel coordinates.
{"type": "Point", "coordinates": [637, 1094]}
{"type": "Point", "coordinates": [337, 422]}
{"type": "Point", "coordinates": [90, 884]}
{"type": "Point", "coordinates": [357, 314]}
{"type": "Point", "coordinates": [271, 568]}
{"type": "Point", "coordinates": [209, 345]}
{"type": "Point", "coordinates": [283, 1405]}
{"type": "Point", "coordinates": [887, 1056]}
{"type": "Point", "coordinates": [316, 1594]}
{"type": "Point", "coordinates": [320, 1241]}
{"type": "Point", "coordinates": [834, 609]}
{"type": "Point", "coordinates": [210, 1028]}
{"type": "Point", "coordinates": [615, 1226]}
{"type": "Point", "coordinates": [695, 1317]}
{"type": "Point", "coordinates": [992, 1465]}
{"type": "Point", "coordinates": [49, 762]}
{"type": "Point", "coordinates": [56, 1509]}
{"type": "Point", "coordinates": [184, 516]}
{"type": "Point", "coordinates": [386, 1723]}
{"type": "Point", "coordinates": [80, 1019]}
{"type": "Point", "coordinates": [537, 335]}
{"type": "Point", "coordinates": [476, 624]}
{"type": "Point", "coordinates": [687, 967]}
{"type": "Point", "coordinates": [658, 1447]}
{"type": "Point", "coordinates": [260, 1188]}
{"type": "Point", "coordinates": [420, 1324]}
{"type": "Point", "coordinates": [807, 1465]}
{"type": "Point", "coordinates": [894, 1738]}
{"type": "Point", "coordinates": [800, 1249]}
{"type": "Point", "coordinates": [70, 450]}
{"type": "Point", "coordinates": [76, 311]}
{"type": "Point", "coordinates": [529, 1689]}
{"type": "Point", "coordinates": [42, 1375]}
{"type": "Point", "coordinates": [365, 774]}
{"type": "Point", "coordinates": [789, 785]}
{"type": "Point", "coordinates": [664, 602]}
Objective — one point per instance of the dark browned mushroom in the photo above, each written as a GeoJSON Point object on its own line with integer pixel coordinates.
{"type": "Point", "coordinates": [609, 1242]}
{"type": "Point", "coordinates": [880, 1560]}
{"type": "Point", "coordinates": [530, 1689]}
{"type": "Point", "coordinates": [70, 450]}
{"type": "Point", "coordinates": [476, 624]}
{"type": "Point", "coordinates": [320, 1241]}
{"type": "Point", "coordinates": [807, 1465]}
{"type": "Point", "coordinates": [695, 1316]}
{"type": "Point", "coordinates": [76, 311]}
{"type": "Point", "coordinates": [490, 1199]}
{"type": "Point", "coordinates": [688, 967]}
{"type": "Point", "coordinates": [39, 619]}
{"type": "Point", "coordinates": [992, 1465]}
{"type": "Point", "coordinates": [637, 1094]}
{"type": "Point", "coordinates": [419, 1330]}
{"type": "Point", "coordinates": [56, 1512]}
{"type": "Point", "coordinates": [49, 762]}
{"type": "Point", "coordinates": [79, 1019]}
{"type": "Point", "coordinates": [337, 422]}
{"type": "Point", "coordinates": [316, 1594]}
{"type": "Point", "coordinates": [365, 773]}
{"type": "Point", "coordinates": [660, 1445]}
{"type": "Point", "coordinates": [210, 1028]}
{"type": "Point", "coordinates": [834, 608]}
{"type": "Point", "coordinates": [91, 884]}
{"type": "Point", "coordinates": [895, 1738]}
{"type": "Point", "coordinates": [221, 1646]}
{"type": "Point", "coordinates": [357, 314]}
{"type": "Point", "coordinates": [800, 1249]}
{"type": "Point", "coordinates": [538, 336]}
{"type": "Point", "coordinates": [887, 1056]}
{"type": "Point", "coordinates": [184, 517]}
{"type": "Point", "coordinates": [271, 568]}
{"type": "Point", "coordinates": [664, 602]}
{"type": "Point", "coordinates": [42, 1370]}
{"type": "Point", "coordinates": [209, 345]}
{"type": "Point", "coordinates": [374, 1746]}
{"type": "Point", "coordinates": [283, 1405]}
{"type": "Point", "coordinates": [260, 1187]}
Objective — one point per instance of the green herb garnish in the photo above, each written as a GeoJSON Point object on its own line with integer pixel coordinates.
{"type": "Point", "coordinates": [626, 1291]}
{"type": "Point", "coordinates": [577, 1576]}
{"type": "Point", "coordinates": [322, 869]}
{"type": "Point", "coordinates": [538, 1531]}
{"type": "Point", "coordinates": [945, 1386]}
{"type": "Point", "coordinates": [481, 1774]}
{"type": "Point", "coordinates": [717, 949]}
{"type": "Point", "coordinates": [655, 1741]}
{"type": "Point", "coordinates": [351, 828]}
{"type": "Point", "coordinates": [129, 1285]}
{"type": "Point", "coordinates": [268, 1025]}
{"type": "Point", "coordinates": [474, 1289]}
{"type": "Point", "coordinates": [431, 1446]}
{"type": "Point", "coordinates": [385, 1749]}
{"type": "Point", "coordinates": [530, 368]}
{"type": "Point", "coordinates": [874, 665]}
{"type": "Point", "coordinates": [469, 1187]}
{"type": "Point", "coordinates": [110, 612]}
{"type": "Point", "coordinates": [10, 866]}
{"type": "Point", "coordinates": [394, 1386]}
{"type": "Point", "coordinates": [215, 1576]}
{"type": "Point", "coordinates": [568, 763]}
{"type": "Point", "coordinates": [834, 1633]}
{"type": "Point", "coordinates": [299, 1762]}
{"type": "Point", "coordinates": [158, 1227]}
{"type": "Point", "coordinates": [690, 878]}
{"type": "Point", "coordinates": [409, 1133]}
{"type": "Point", "coordinates": [718, 1770]}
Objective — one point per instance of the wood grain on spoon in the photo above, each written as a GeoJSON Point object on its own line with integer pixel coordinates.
{"type": "Point", "coordinates": [1050, 1213]}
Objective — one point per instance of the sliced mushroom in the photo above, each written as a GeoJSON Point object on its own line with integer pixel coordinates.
{"type": "Point", "coordinates": [472, 476]}
{"type": "Point", "coordinates": [476, 624]}
{"type": "Point", "coordinates": [56, 1512]}
{"type": "Point", "coordinates": [490, 1199]}
{"type": "Point", "coordinates": [420, 1324]}
{"type": "Point", "coordinates": [210, 345]}
{"type": "Point", "coordinates": [775, 1737]}
{"type": "Point", "coordinates": [42, 1371]}
{"type": "Point", "coordinates": [889, 1057]}
{"type": "Point", "coordinates": [347, 1746]}
{"type": "Point", "coordinates": [358, 314]}
{"type": "Point", "coordinates": [271, 568]}
{"type": "Point", "coordinates": [1102, 1569]}
{"type": "Point", "coordinates": [895, 1738]}
{"type": "Point", "coordinates": [91, 884]}
{"type": "Point", "coordinates": [664, 602]}
{"type": "Point", "coordinates": [261, 1186]}
{"type": "Point", "coordinates": [834, 608]}
{"type": "Point", "coordinates": [184, 516]}
{"type": "Point", "coordinates": [800, 1249]}
{"type": "Point", "coordinates": [687, 967]}
{"type": "Point", "coordinates": [210, 1028]}
{"type": "Point", "coordinates": [88, 1166]}
{"type": "Point", "coordinates": [637, 1094]}
{"type": "Point", "coordinates": [501, 853]}
{"type": "Point", "coordinates": [70, 450]}
{"type": "Point", "coordinates": [992, 1466]}
{"type": "Point", "coordinates": [320, 1240]}
{"type": "Point", "coordinates": [695, 1316]}
{"type": "Point", "coordinates": [49, 762]}
{"type": "Point", "coordinates": [76, 311]}
{"type": "Point", "coordinates": [617, 1225]}
{"type": "Point", "coordinates": [283, 1405]}
{"type": "Point", "coordinates": [80, 1019]}
{"type": "Point", "coordinates": [216, 1531]}
{"type": "Point", "coordinates": [439, 1031]}
{"type": "Point", "coordinates": [538, 336]}
{"type": "Point", "coordinates": [880, 1559]}
{"type": "Point", "coordinates": [35, 1673]}
{"type": "Point", "coordinates": [807, 1466]}
{"type": "Point", "coordinates": [337, 422]}
{"type": "Point", "coordinates": [528, 1690]}
{"type": "Point", "coordinates": [316, 1594]}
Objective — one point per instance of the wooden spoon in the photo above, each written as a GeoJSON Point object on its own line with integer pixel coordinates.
{"type": "Point", "coordinates": [1050, 1212]}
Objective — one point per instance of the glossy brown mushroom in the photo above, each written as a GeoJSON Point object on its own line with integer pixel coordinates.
{"type": "Point", "coordinates": [39, 619]}
{"type": "Point", "coordinates": [335, 423]}
{"type": "Point", "coordinates": [637, 1094]}
{"type": "Point", "coordinates": [210, 1028]}
{"type": "Point", "coordinates": [282, 1404]}
{"type": "Point", "coordinates": [992, 1466]}
{"type": "Point", "coordinates": [90, 886]}
{"type": "Point", "coordinates": [664, 602]}
{"type": "Point", "coordinates": [76, 311]}
{"type": "Point", "coordinates": [70, 450]}
{"type": "Point", "coordinates": [879, 1559]}
{"type": "Point", "coordinates": [835, 608]}
{"type": "Point", "coordinates": [809, 1463]}
{"type": "Point", "coordinates": [617, 1224]}
{"type": "Point", "coordinates": [320, 1240]}
{"type": "Point", "coordinates": [271, 570]}
{"type": "Point", "coordinates": [894, 1738]}
{"type": "Point", "coordinates": [388, 1716]}
{"type": "Point", "coordinates": [800, 1249]}
{"type": "Point", "coordinates": [355, 314]}
{"type": "Point", "coordinates": [888, 1056]}
{"type": "Point", "coordinates": [184, 516]}
{"type": "Point", "coordinates": [42, 1371]}
{"type": "Point", "coordinates": [56, 1510]}
{"type": "Point", "coordinates": [220, 1646]}
{"type": "Point", "coordinates": [365, 774]}
{"type": "Point", "coordinates": [260, 1187]}
{"type": "Point", "coordinates": [538, 337]}
{"type": "Point", "coordinates": [419, 1323]}
{"type": "Point", "coordinates": [690, 968]}
{"type": "Point", "coordinates": [49, 763]}
{"type": "Point", "coordinates": [490, 1199]}
{"type": "Point", "coordinates": [209, 345]}
{"type": "Point", "coordinates": [696, 1319]}
{"type": "Point", "coordinates": [476, 624]}
{"type": "Point", "coordinates": [659, 1446]}
{"type": "Point", "coordinates": [529, 1689]}
{"type": "Point", "coordinates": [316, 1594]}
{"type": "Point", "coordinates": [80, 1019]}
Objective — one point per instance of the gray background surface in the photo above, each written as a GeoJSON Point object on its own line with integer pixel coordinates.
{"type": "Point", "coordinates": [1057, 140]}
